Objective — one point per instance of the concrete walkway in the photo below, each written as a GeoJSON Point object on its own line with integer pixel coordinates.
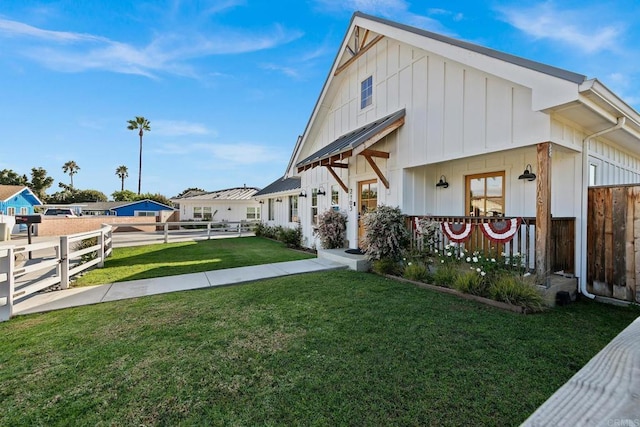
{"type": "Point", "coordinates": [73, 297]}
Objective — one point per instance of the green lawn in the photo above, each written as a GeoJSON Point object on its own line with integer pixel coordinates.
{"type": "Point", "coordinates": [145, 262]}
{"type": "Point", "coordinates": [337, 348]}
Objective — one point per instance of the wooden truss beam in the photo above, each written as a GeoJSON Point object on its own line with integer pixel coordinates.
{"type": "Point", "coordinates": [337, 178]}
{"type": "Point", "coordinates": [375, 153]}
{"type": "Point", "coordinates": [358, 54]}
{"type": "Point", "coordinates": [377, 170]}
{"type": "Point", "coordinates": [377, 137]}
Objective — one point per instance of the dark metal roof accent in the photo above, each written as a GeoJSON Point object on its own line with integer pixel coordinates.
{"type": "Point", "coordinates": [280, 185]}
{"type": "Point", "coordinates": [352, 139]}
{"type": "Point", "coordinates": [516, 60]}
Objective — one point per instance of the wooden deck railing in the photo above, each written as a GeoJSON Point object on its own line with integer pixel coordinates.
{"type": "Point", "coordinates": [522, 244]}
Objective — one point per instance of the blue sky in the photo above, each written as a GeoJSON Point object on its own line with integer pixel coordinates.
{"type": "Point", "coordinates": [228, 85]}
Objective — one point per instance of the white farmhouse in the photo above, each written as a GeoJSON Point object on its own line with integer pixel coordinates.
{"type": "Point", "coordinates": [442, 127]}
{"type": "Point", "coordinates": [232, 205]}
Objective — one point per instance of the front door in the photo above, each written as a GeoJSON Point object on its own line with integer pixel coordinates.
{"type": "Point", "coordinates": [367, 201]}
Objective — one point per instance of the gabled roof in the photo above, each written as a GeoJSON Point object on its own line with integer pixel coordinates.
{"type": "Point", "coordinates": [513, 59]}
{"type": "Point", "coordinates": [9, 191]}
{"type": "Point", "coordinates": [280, 185]}
{"type": "Point", "coordinates": [352, 139]}
{"type": "Point", "coordinates": [237, 193]}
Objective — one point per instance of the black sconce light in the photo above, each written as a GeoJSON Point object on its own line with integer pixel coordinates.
{"type": "Point", "coordinates": [261, 202]}
{"type": "Point", "coordinates": [443, 182]}
{"type": "Point", "coordinates": [229, 208]}
{"type": "Point", "coordinates": [528, 174]}
{"type": "Point", "coordinates": [279, 200]}
{"type": "Point", "coordinates": [321, 191]}
{"type": "Point", "coordinates": [303, 193]}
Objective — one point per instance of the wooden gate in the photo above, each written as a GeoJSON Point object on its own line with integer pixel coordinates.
{"type": "Point", "coordinates": [613, 242]}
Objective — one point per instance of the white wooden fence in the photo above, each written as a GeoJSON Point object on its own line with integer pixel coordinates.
{"type": "Point", "coordinates": [57, 260]}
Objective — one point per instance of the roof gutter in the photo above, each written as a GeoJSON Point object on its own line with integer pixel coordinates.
{"type": "Point", "coordinates": [584, 198]}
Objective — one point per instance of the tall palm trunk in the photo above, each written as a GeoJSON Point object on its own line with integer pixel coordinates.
{"type": "Point", "coordinates": [139, 164]}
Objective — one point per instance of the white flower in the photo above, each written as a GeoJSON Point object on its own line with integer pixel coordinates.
{"type": "Point", "coordinates": [526, 275]}
{"type": "Point", "coordinates": [493, 260]}
{"type": "Point", "coordinates": [478, 270]}
{"type": "Point", "coordinates": [409, 264]}
{"type": "Point", "coordinates": [449, 254]}
{"type": "Point", "coordinates": [516, 254]}
{"type": "Point", "coordinates": [475, 259]}
{"type": "Point", "coordinates": [482, 273]}
{"type": "Point", "coordinates": [441, 261]}
{"type": "Point", "coordinates": [503, 254]}
{"type": "Point", "coordinates": [447, 247]}
{"type": "Point", "coordinates": [468, 259]}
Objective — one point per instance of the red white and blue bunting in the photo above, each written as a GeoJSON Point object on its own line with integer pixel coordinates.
{"type": "Point", "coordinates": [456, 232]}
{"type": "Point", "coordinates": [501, 231]}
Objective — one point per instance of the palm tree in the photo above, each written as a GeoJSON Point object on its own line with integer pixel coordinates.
{"type": "Point", "coordinates": [122, 172]}
{"type": "Point", "coordinates": [71, 168]}
{"type": "Point", "coordinates": [141, 124]}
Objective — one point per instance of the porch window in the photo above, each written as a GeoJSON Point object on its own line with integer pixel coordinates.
{"type": "Point", "coordinates": [11, 210]}
{"type": "Point", "coordinates": [366, 92]}
{"type": "Point", "coordinates": [335, 195]}
{"type": "Point", "coordinates": [272, 209]}
{"type": "Point", "coordinates": [253, 212]}
{"type": "Point", "coordinates": [144, 213]}
{"type": "Point", "coordinates": [197, 212]}
{"type": "Point", "coordinates": [293, 209]}
{"type": "Point", "coordinates": [485, 194]}
{"type": "Point", "coordinates": [24, 210]}
{"type": "Point", "coordinates": [314, 206]}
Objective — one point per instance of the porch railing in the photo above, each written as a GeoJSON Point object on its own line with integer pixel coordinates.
{"type": "Point", "coordinates": [522, 244]}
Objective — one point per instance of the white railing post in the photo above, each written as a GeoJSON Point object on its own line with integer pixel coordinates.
{"type": "Point", "coordinates": [166, 232]}
{"type": "Point", "coordinates": [64, 262]}
{"type": "Point", "coordinates": [240, 228]}
{"type": "Point", "coordinates": [7, 284]}
{"type": "Point", "coordinates": [101, 249]}
{"type": "Point", "coordinates": [208, 231]}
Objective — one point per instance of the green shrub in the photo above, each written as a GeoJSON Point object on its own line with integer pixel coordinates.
{"type": "Point", "coordinates": [386, 235]}
{"type": "Point", "coordinates": [84, 244]}
{"type": "Point", "coordinates": [416, 271]}
{"type": "Point", "coordinates": [445, 275]}
{"type": "Point", "coordinates": [386, 266]}
{"type": "Point", "coordinates": [472, 283]}
{"type": "Point", "coordinates": [515, 290]}
{"type": "Point", "coordinates": [332, 228]}
{"type": "Point", "coordinates": [292, 237]}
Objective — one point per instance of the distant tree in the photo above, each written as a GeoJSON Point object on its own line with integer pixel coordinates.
{"type": "Point", "coordinates": [88, 196]}
{"type": "Point", "coordinates": [190, 190]}
{"type": "Point", "coordinates": [155, 197]}
{"type": "Point", "coordinates": [141, 124]}
{"type": "Point", "coordinates": [9, 177]}
{"type": "Point", "coordinates": [122, 172]}
{"type": "Point", "coordinates": [124, 196]}
{"type": "Point", "coordinates": [40, 182]}
{"type": "Point", "coordinates": [72, 168]}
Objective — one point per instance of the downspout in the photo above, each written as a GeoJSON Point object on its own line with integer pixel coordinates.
{"type": "Point", "coordinates": [584, 198]}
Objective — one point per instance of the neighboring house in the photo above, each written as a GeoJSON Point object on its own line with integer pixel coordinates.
{"type": "Point", "coordinates": [17, 200]}
{"type": "Point", "coordinates": [145, 207]}
{"type": "Point", "coordinates": [232, 204]}
{"type": "Point", "coordinates": [280, 202]}
{"type": "Point", "coordinates": [404, 109]}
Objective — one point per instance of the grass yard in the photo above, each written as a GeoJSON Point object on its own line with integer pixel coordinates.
{"type": "Point", "coordinates": [338, 348]}
{"type": "Point", "coordinates": [145, 262]}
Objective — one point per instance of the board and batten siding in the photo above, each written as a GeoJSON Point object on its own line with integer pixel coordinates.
{"type": "Point", "coordinates": [453, 111]}
{"type": "Point", "coordinates": [613, 164]}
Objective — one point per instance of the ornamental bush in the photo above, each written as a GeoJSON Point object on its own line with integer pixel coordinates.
{"type": "Point", "coordinates": [332, 228]}
{"type": "Point", "coordinates": [386, 235]}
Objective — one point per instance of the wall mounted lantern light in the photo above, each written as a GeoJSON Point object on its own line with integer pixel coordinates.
{"type": "Point", "coordinates": [528, 174]}
{"type": "Point", "coordinates": [279, 200]}
{"type": "Point", "coordinates": [321, 191]}
{"type": "Point", "coordinates": [443, 182]}
{"type": "Point", "coordinates": [303, 193]}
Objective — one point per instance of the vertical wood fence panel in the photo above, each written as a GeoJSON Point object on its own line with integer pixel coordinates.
{"type": "Point", "coordinates": [613, 242]}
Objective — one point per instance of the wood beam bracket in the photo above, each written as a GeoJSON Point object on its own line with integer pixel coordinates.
{"type": "Point", "coordinates": [377, 170]}
{"type": "Point", "coordinates": [337, 178]}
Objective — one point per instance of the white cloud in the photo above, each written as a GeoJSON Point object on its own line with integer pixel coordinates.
{"type": "Point", "coordinates": [225, 154]}
{"type": "Point", "coordinates": [581, 29]}
{"type": "Point", "coordinates": [169, 53]}
{"type": "Point", "coordinates": [179, 128]}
